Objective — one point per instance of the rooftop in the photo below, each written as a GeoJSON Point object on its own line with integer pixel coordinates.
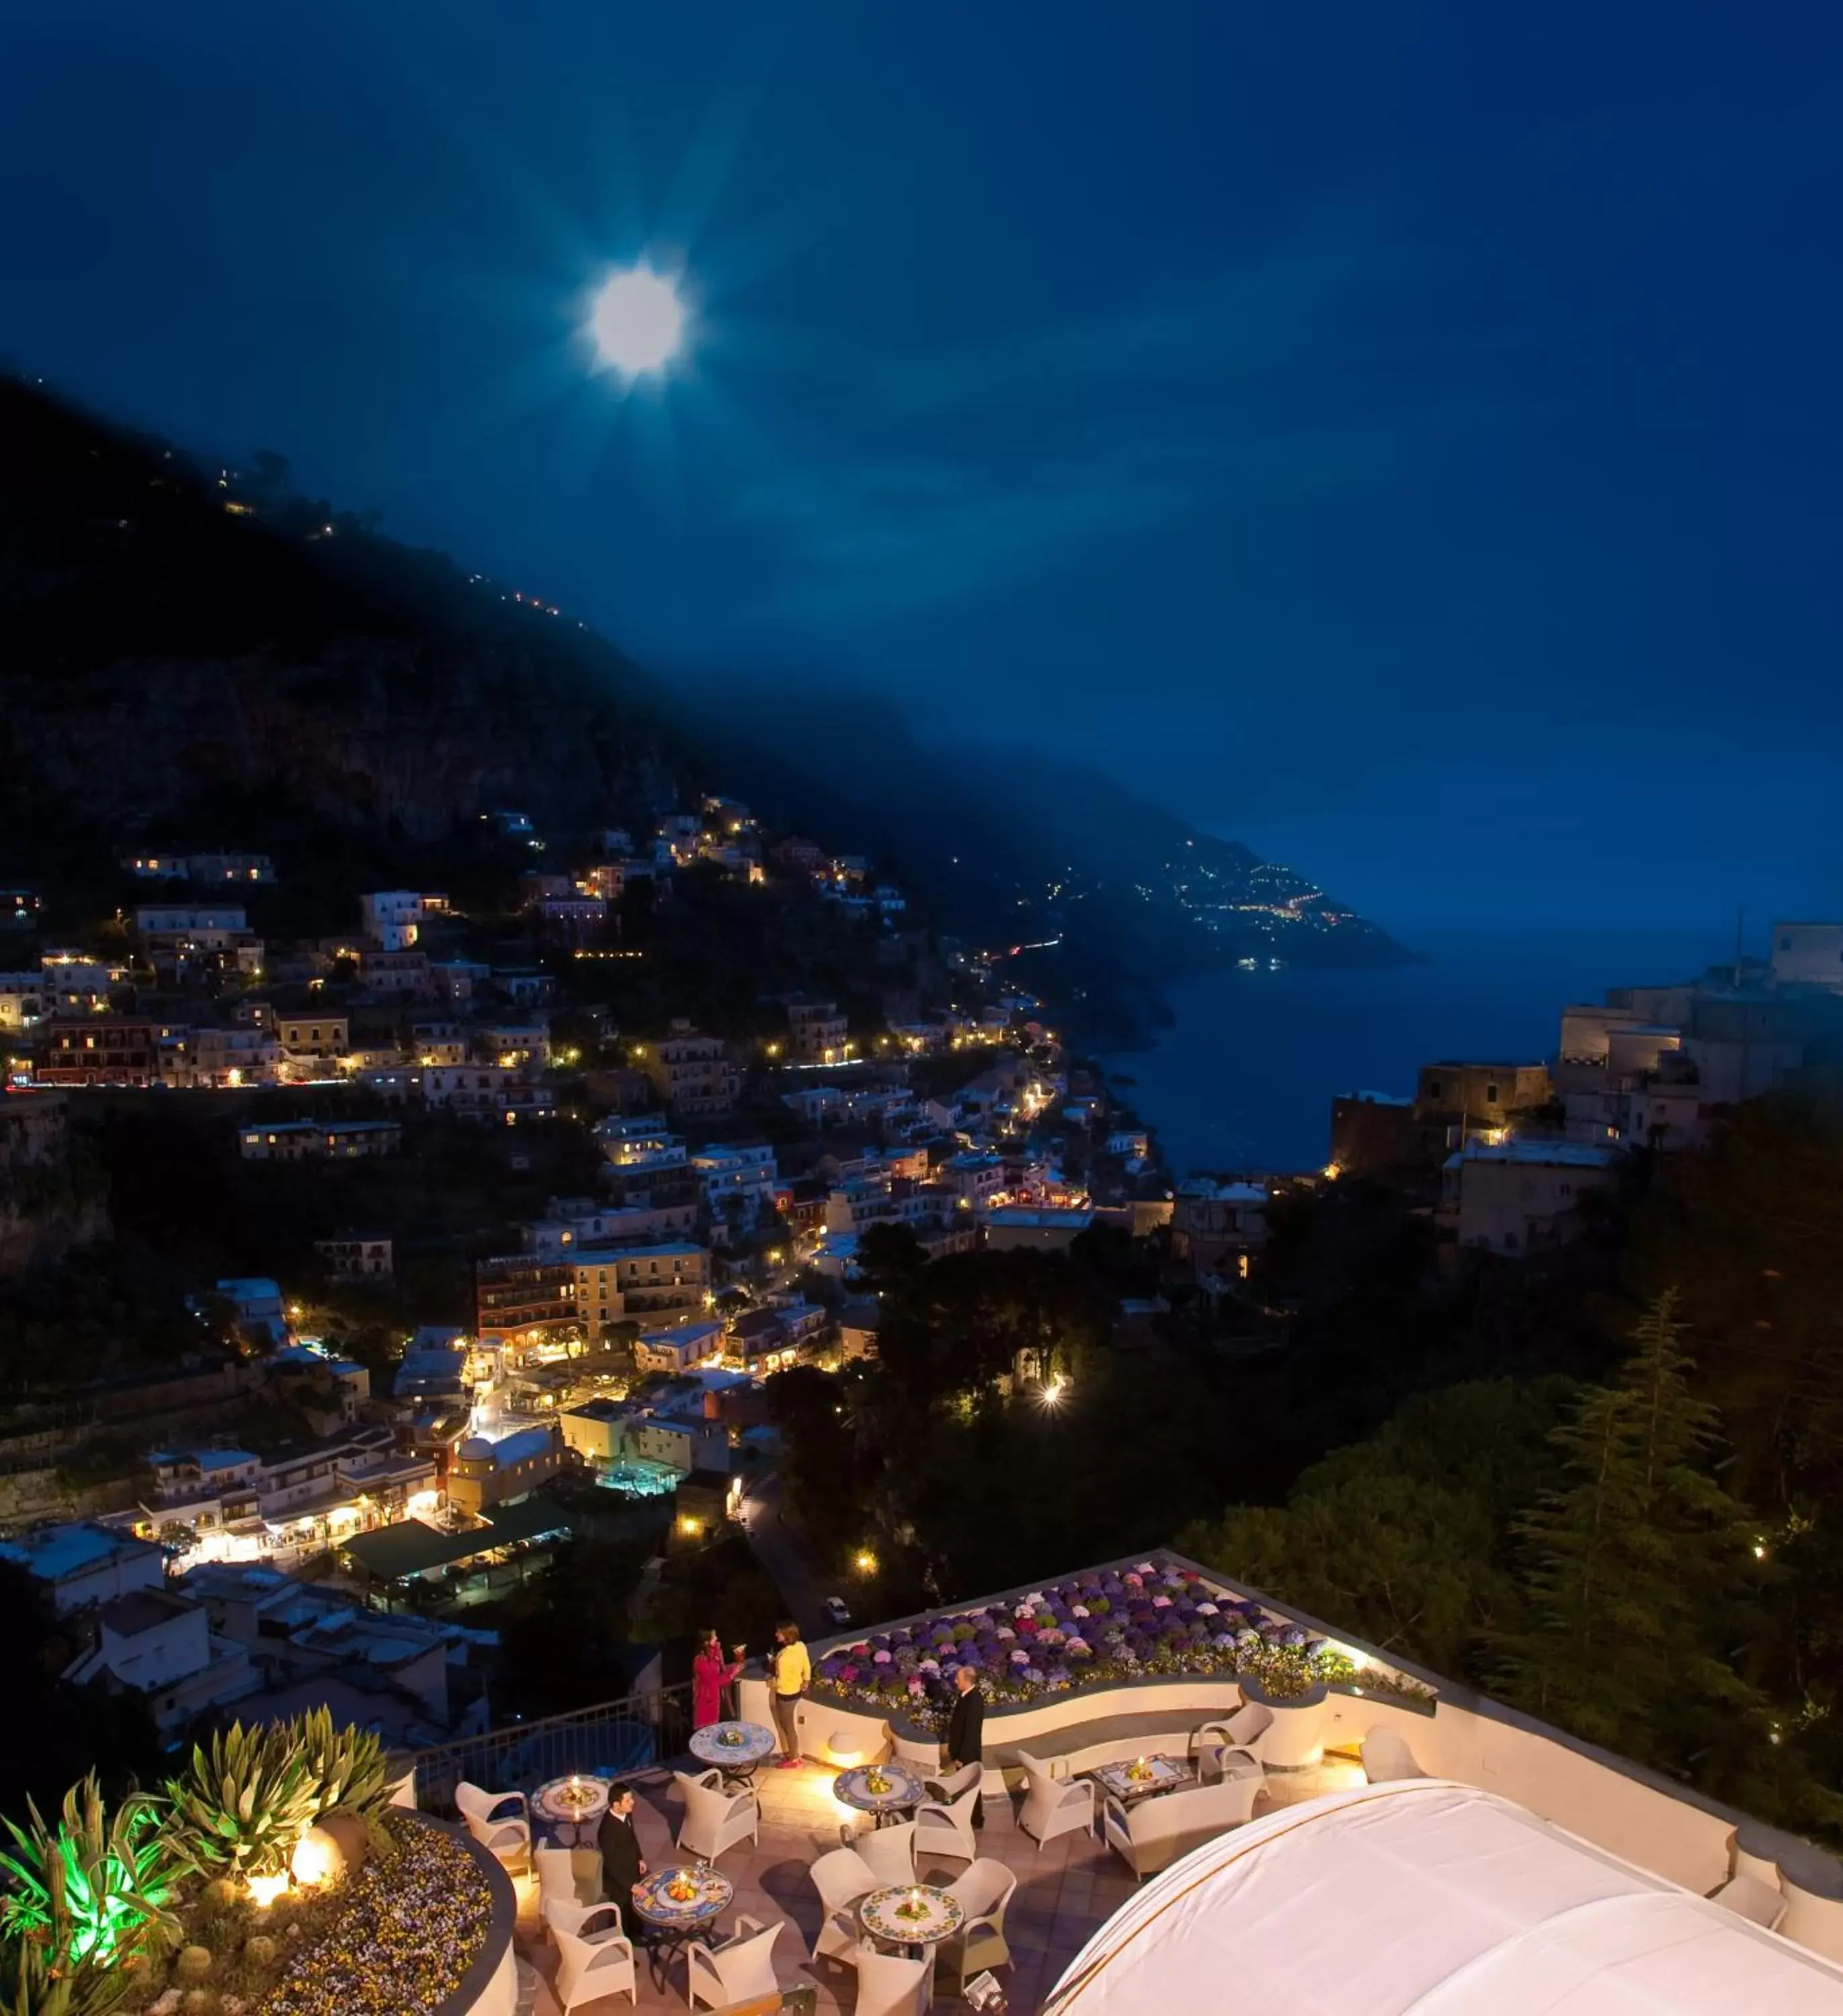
{"type": "Point", "coordinates": [1539, 1154]}
{"type": "Point", "coordinates": [51, 1552]}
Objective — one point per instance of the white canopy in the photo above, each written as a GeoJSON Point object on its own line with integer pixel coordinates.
{"type": "Point", "coordinates": [1432, 1897]}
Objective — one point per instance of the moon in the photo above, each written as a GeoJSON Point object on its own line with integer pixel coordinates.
{"type": "Point", "coordinates": [638, 321]}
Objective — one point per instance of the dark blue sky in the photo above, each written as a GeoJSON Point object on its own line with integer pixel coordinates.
{"type": "Point", "coordinates": [1405, 437]}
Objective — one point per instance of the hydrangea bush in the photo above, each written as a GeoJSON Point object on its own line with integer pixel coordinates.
{"type": "Point", "coordinates": [1102, 1626]}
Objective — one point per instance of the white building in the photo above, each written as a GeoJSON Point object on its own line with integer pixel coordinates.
{"type": "Point", "coordinates": [392, 919]}
{"type": "Point", "coordinates": [158, 1644]}
{"type": "Point", "coordinates": [80, 1563]}
{"type": "Point", "coordinates": [1808, 956]}
{"type": "Point", "coordinates": [738, 1179]}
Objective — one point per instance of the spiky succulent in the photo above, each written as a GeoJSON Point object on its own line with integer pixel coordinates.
{"type": "Point", "coordinates": [34, 1982]}
{"type": "Point", "coordinates": [346, 1765]}
{"type": "Point", "coordinates": [244, 1803]}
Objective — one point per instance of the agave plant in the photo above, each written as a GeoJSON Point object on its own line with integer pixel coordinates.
{"type": "Point", "coordinates": [97, 1886]}
{"type": "Point", "coordinates": [33, 1982]}
{"type": "Point", "coordinates": [346, 1765]}
{"type": "Point", "coordinates": [243, 1804]}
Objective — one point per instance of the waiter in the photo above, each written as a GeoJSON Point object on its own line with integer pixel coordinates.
{"type": "Point", "coordinates": [621, 1866]}
{"type": "Point", "coordinates": [966, 1733]}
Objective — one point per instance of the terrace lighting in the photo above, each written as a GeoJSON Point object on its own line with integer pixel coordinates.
{"type": "Point", "coordinates": [1054, 1391]}
{"type": "Point", "coordinates": [866, 1562]}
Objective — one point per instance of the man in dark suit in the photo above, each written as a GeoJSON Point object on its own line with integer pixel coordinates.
{"type": "Point", "coordinates": [966, 1731]}
{"type": "Point", "coordinates": [622, 1865]}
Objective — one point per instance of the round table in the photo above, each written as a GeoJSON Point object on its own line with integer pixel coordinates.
{"type": "Point", "coordinates": [736, 1748]}
{"type": "Point", "coordinates": [677, 1920]}
{"type": "Point", "coordinates": [901, 1789]}
{"type": "Point", "coordinates": [576, 1803]}
{"type": "Point", "coordinates": [914, 1916]}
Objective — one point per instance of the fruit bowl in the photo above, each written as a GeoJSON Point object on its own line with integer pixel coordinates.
{"type": "Point", "coordinates": [681, 1890]}
{"type": "Point", "coordinates": [875, 1783]}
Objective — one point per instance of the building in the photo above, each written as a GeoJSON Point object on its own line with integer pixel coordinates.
{"type": "Point", "coordinates": [402, 974]}
{"type": "Point", "coordinates": [484, 1474]}
{"type": "Point", "coordinates": [316, 1140]}
{"type": "Point", "coordinates": [1218, 1227]}
{"type": "Point", "coordinates": [236, 1505]}
{"type": "Point", "coordinates": [392, 919]}
{"type": "Point", "coordinates": [504, 1093]}
{"type": "Point", "coordinates": [739, 1181]}
{"type": "Point", "coordinates": [817, 1034]}
{"type": "Point", "coordinates": [1518, 1197]}
{"type": "Point", "coordinates": [318, 1035]}
{"type": "Point", "coordinates": [596, 1431]}
{"type": "Point", "coordinates": [353, 1257]}
{"type": "Point", "coordinates": [153, 1642]}
{"type": "Point", "coordinates": [692, 1074]}
{"type": "Point", "coordinates": [616, 1283]}
{"type": "Point", "coordinates": [1808, 956]}
{"type": "Point", "coordinates": [100, 1049]}
{"type": "Point", "coordinates": [236, 867]}
{"type": "Point", "coordinates": [1373, 1135]}
{"type": "Point", "coordinates": [575, 1222]}
{"type": "Point", "coordinates": [411, 1678]}
{"type": "Point", "coordinates": [525, 1293]}
{"type": "Point", "coordinates": [1044, 1230]}
{"type": "Point", "coordinates": [679, 1348]}
{"type": "Point", "coordinates": [79, 1563]}
{"type": "Point", "coordinates": [760, 1341]}
{"type": "Point", "coordinates": [1455, 1100]}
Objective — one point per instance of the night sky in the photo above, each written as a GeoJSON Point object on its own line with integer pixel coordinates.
{"type": "Point", "coordinates": [1404, 437]}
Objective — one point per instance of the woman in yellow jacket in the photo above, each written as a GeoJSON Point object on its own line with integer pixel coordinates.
{"type": "Point", "coordinates": [788, 1682]}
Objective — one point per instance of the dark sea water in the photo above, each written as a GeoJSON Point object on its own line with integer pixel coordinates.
{"type": "Point", "coordinates": [1245, 1079]}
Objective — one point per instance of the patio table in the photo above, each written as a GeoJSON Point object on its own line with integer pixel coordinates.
{"type": "Point", "coordinates": [676, 1921]}
{"type": "Point", "coordinates": [738, 1749]}
{"type": "Point", "coordinates": [572, 1806]}
{"type": "Point", "coordinates": [914, 1916]}
{"type": "Point", "coordinates": [1142, 1777]}
{"type": "Point", "coordinates": [885, 1791]}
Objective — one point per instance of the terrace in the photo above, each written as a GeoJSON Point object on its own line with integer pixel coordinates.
{"type": "Point", "coordinates": [1473, 1835]}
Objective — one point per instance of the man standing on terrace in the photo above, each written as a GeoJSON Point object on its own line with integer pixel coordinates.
{"type": "Point", "coordinates": [966, 1731]}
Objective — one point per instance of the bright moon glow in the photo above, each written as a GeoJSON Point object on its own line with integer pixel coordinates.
{"type": "Point", "coordinates": [638, 320]}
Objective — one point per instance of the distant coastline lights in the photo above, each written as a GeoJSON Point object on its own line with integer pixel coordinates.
{"type": "Point", "coordinates": [637, 321]}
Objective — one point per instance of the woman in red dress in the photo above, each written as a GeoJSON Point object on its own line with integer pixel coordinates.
{"type": "Point", "coordinates": [710, 1674]}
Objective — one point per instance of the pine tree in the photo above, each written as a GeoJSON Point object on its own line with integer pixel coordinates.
{"type": "Point", "coordinates": [1637, 1569]}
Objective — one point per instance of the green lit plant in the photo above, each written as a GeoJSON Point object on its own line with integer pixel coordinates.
{"type": "Point", "coordinates": [244, 1803]}
{"type": "Point", "coordinates": [97, 1885]}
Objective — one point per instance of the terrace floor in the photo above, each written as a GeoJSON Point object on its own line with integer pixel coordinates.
{"type": "Point", "coordinates": [1065, 1891]}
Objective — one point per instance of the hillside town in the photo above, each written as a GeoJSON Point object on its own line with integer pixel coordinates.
{"type": "Point", "coordinates": [280, 1509]}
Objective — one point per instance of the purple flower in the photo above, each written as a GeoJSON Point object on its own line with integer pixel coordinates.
{"type": "Point", "coordinates": [1020, 1659]}
{"type": "Point", "coordinates": [882, 1659]}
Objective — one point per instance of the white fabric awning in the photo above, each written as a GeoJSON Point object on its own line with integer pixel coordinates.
{"type": "Point", "coordinates": [1424, 1898]}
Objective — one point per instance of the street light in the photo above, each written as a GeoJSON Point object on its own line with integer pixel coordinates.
{"type": "Point", "coordinates": [866, 1561]}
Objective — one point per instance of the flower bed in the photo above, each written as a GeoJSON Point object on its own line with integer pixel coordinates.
{"type": "Point", "coordinates": [393, 1939]}
{"type": "Point", "coordinates": [1108, 1626]}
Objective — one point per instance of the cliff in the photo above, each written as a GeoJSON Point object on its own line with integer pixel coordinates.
{"type": "Point", "coordinates": [169, 632]}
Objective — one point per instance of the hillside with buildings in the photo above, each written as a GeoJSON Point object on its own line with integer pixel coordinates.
{"type": "Point", "coordinates": [190, 647]}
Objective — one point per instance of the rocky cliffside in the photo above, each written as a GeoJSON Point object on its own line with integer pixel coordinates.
{"type": "Point", "coordinates": [168, 632]}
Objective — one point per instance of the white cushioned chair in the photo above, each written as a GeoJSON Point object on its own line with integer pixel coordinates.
{"type": "Point", "coordinates": [1055, 1805]}
{"type": "Point", "coordinates": [1152, 1833]}
{"type": "Point", "coordinates": [591, 1965]}
{"type": "Point", "coordinates": [500, 1821]}
{"type": "Point", "coordinates": [738, 1971]}
{"type": "Point", "coordinates": [946, 1827]}
{"type": "Point", "coordinates": [716, 1820]}
{"type": "Point", "coordinates": [840, 1879]}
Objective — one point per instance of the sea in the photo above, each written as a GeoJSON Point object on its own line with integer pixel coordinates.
{"type": "Point", "coordinates": [1243, 1079]}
